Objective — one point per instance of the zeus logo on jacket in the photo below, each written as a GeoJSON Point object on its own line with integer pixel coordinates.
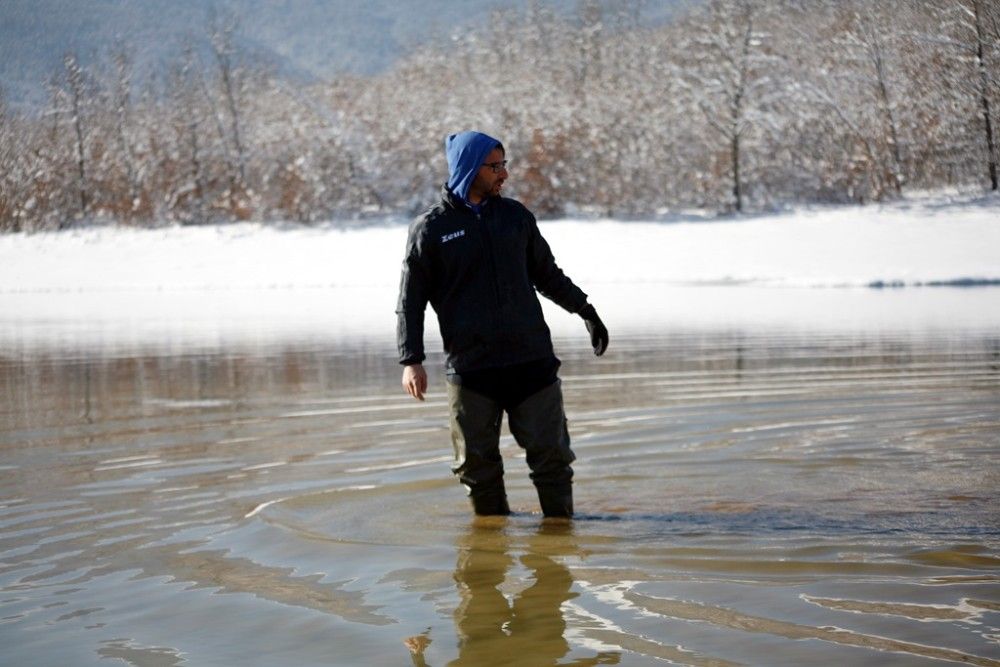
{"type": "Point", "coordinates": [452, 236]}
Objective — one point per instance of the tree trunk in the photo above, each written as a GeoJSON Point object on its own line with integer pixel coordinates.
{"type": "Point", "coordinates": [896, 172]}
{"type": "Point", "coordinates": [737, 108]}
{"type": "Point", "coordinates": [737, 185]}
{"type": "Point", "coordinates": [196, 168]}
{"type": "Point", "coordinates": [984, 96]}
{"type": "Point", "coordinates": [222, 45]}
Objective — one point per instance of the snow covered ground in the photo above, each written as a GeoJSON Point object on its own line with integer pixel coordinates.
{"type": "Point", "coordinates": [810, 268]}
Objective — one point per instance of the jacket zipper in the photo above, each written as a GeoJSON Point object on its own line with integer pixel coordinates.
{"type": "Point", "coordinates": [488, 241]}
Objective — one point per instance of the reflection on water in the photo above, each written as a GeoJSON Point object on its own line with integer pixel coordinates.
{"type": "Point", "coordinates": [492, 630]}
{"type": "Point", "coordinates": [745, 497]}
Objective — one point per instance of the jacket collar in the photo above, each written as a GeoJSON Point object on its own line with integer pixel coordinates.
{"type": "Point", "coordinates": [452, 200]}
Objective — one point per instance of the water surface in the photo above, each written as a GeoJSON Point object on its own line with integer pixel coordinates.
{"type": "Point", "coordinates": [745, 496]}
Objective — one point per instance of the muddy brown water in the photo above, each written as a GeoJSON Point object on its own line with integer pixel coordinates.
{"type": "Point", "coordinates": [743, 498]}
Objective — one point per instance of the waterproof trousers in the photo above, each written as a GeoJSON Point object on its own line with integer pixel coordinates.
{"type": "Point", "coordinates": [538, 424]}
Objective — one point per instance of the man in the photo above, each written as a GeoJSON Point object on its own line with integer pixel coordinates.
{"type": "Point", "coordinates": [478, 258]}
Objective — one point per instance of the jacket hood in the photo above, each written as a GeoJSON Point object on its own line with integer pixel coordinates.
{"type": "Point", "coordinates": [466, 152]}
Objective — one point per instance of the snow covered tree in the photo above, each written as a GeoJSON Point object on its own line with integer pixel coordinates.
{"type": "Point", "coordinates": [76, 94]}
{"type": "Point", "coordinates": [853, 85]}
{"type": "Point", "coordinates": [123, 115]}
{"type": "Point", "coordinates": [985, 20]}
{"type": "Point", "coordinates": [727, 72]}
{"type": "Point", "coordinates": [230, 80]}
{"type": "Point", "coordinates": [11, 178]}
{"type": "Point", "coordinates": [186, 192]}
{"type": "Point", "coordinates": [964, 38]}
{"type": "Point", "coordinates": [868, 33]}
{"type": "Point", "coordinates": [734, 105]}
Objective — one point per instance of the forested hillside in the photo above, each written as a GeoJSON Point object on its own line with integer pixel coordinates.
{"type": "Point", "coordinates": [737, 105]}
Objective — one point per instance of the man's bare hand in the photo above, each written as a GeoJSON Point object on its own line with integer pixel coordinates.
{"type": "Point", "coordinates": [415, 381]}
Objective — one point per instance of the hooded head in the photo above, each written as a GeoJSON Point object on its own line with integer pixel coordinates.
{"type": "Point", "coordinates": [466, 153]}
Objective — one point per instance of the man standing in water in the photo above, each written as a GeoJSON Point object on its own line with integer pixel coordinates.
{"type": "Point", "coordinates": [478, 258]}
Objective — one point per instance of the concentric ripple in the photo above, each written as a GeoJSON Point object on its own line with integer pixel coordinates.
{"type": "Point", "coordinates": [743, 498]}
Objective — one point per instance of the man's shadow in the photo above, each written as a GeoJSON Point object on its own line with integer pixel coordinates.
{"type": "Point", "coordinates": [530, 629]}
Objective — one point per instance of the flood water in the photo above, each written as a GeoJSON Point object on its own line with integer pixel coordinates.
{"type": "Point", "coordinates": [744, 497]}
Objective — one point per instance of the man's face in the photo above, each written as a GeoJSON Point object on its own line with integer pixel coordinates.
{"type": "Point", "coordinates": [489, 183]}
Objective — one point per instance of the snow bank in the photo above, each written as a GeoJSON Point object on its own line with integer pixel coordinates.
{"type": "Point", "coordinates": [899, 245]}
{"type": "Point", "coordinates": [245, 279]}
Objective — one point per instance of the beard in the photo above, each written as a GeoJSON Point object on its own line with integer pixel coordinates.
{"type": "Point", "coordinates": [483, 187]}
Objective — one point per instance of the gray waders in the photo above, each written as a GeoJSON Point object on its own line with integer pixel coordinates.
{"type": "Point", "coordinates": [538, 424]}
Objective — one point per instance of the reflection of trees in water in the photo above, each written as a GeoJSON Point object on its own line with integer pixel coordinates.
{"type": "Point", "coordinates": [79, 386]}
{"type": "Point", "coordinates": [528, 630]}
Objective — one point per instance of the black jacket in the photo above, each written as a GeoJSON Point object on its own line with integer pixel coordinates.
{"type": "Point", "coordinates": [479, 273]}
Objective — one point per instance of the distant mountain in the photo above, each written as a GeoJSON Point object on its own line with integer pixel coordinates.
{"type": "Point", "coordinates": [301, 38]}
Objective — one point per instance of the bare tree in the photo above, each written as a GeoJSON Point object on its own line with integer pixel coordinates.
{"type": "Point", "coordinates": [979, 20]}
{"type": "Point", "coordinates": [723, 76]}
{"type": "Point", "coordinates": [122, 100]}
{"type": "Point", "coordinates": [590, 36]}
{"type": "Point", "coordinates": [188, 196]}
{"type": "Point", "coordinates": [968, 29]}
{"type": "Point", "coordinates": [734, 105]}
{"type": "Point", "coordinates": [870, 33]}
{"type": "Point", "coordinates": [75, 89]}
{"type": "Point", "coordinates": [221, 39]}
{"type": "Point", "coordinates": [9, 220]}
{"type": "Point", "coordinates": [852, 82]}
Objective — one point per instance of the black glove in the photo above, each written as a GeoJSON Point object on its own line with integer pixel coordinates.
{"type": "Point", "coordinates": [595, 327]}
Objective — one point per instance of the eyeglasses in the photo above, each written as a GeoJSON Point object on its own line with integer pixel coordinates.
{"type": "Point", "coordinates": [496, 166]}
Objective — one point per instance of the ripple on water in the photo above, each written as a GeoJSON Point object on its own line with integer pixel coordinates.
{"type": "Point", "coordinates": [741, 500]}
